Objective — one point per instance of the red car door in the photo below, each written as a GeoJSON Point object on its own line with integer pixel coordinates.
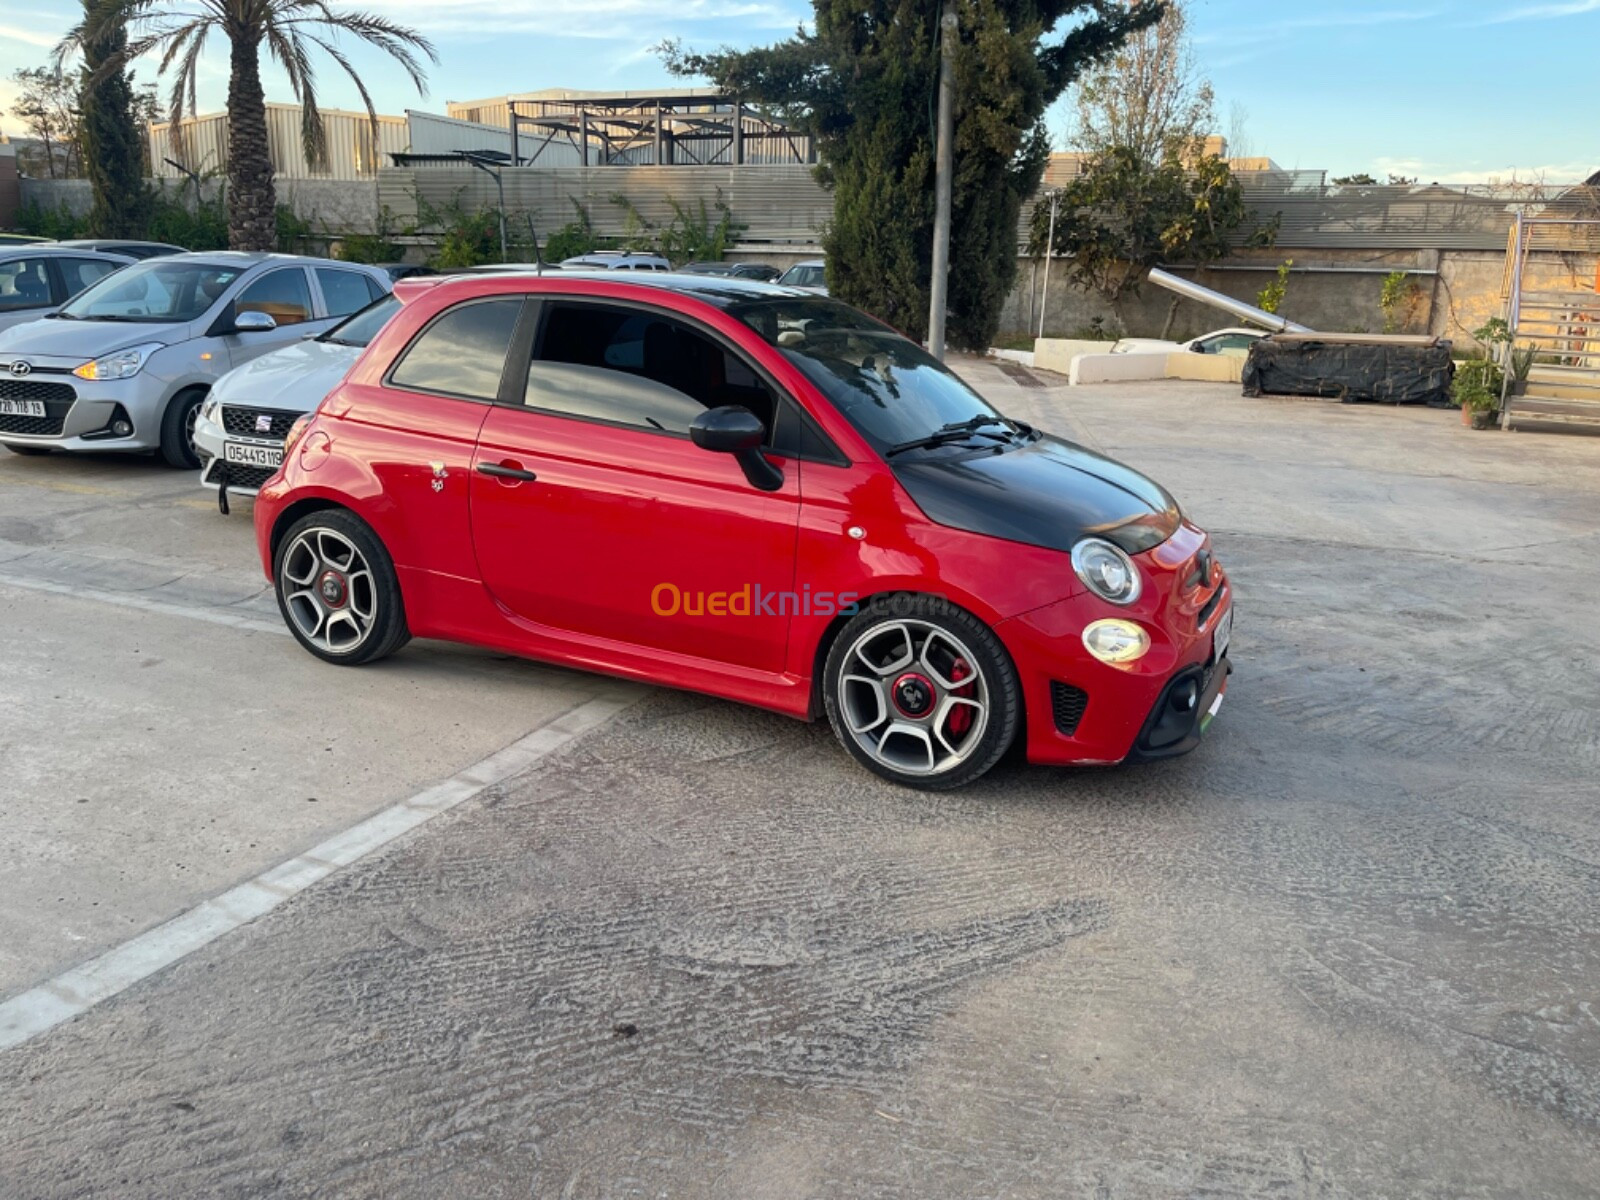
{"type": "Point", "coordinates": [594, 515]}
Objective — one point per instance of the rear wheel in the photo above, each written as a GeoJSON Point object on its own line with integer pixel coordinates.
{"type": "Point", "coordinates": [177, 430]}
{"type": "Point", "coordinates": [337, 589]}
{"type": "Point", "coordinates": [922, 693]}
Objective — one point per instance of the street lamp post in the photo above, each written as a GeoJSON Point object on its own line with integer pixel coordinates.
{"type": "Point", "coordinates": [938, 287]}
{"type": "Point", "coordinates": [500, 189]}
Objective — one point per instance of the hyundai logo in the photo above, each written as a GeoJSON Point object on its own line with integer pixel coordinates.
{"type": "Point", "coordinates": [20, 368]}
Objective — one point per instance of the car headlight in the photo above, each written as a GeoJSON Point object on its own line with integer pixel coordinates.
{"type": "Point", "coordinates": [122, 365]}
{"type": "Point", "coordinates": [1106, 570]}
{"type": "Point", "coordinates": [210, 407]}
{"type": "Point", "coordinates": [1116, 641]}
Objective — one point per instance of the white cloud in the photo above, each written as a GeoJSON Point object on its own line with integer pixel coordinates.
{"type": "Point", "coordinates": [1543, 12]}
{"type": "Point", "coordinates": [30, 37]}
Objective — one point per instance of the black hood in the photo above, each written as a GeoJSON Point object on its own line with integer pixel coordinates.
{"type": "Point", "coordinates": [1046, 492]}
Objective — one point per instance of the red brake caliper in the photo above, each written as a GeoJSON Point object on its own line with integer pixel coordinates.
{"type": "Point", "coordinates": [960, 715]}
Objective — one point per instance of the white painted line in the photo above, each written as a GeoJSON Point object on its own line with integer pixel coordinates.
{"type": "Point", "coordinates": [194, 612]}
{"type": "Point", "coordinates": [74, 992]}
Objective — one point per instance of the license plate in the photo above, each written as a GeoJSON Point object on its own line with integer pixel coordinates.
{"type": "Point", "coordinates": [1220, 636]}
{"type": "Point", "coordinates": [252, 456]}
{"type": "Point", "coordinates": [22, 408]}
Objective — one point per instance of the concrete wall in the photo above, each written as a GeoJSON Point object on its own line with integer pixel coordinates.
{"type": "Point", "coordinates": [332, 206]}
{"type": "Point", "coordinates": [10, 185]}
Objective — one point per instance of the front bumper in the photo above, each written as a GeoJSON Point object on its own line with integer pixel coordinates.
{"type": "Point", "coordinates": [1081, 711]}
{"type": "Point", "coordinates": [211, 437]}
{"type": "Point", "coordinates": [79, 413]}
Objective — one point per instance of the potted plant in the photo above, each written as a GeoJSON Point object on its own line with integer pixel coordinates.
{"type": "Point", "coordinates": [1476, 388]}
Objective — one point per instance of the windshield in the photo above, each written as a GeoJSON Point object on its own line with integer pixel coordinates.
{"type": "Point", "coordinates": [889, 388]}
{"type": "Point", "coordinates": [154, 292]}
{"type": "Point", "coordinates": [359, 328]}
{"type": "Point", "coordinates": [804, 276]}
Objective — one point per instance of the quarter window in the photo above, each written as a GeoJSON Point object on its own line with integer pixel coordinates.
{"type": "Point", "coordinates": [463, 353]}
{"type": "Point", "coordinates": [638, 368]}
{"type": "Point", "coordinates": [282, 295]}
{"type": "Point", "coordinates": [24, 283]}
{"type": "Point", "coordinates": [343, 291]}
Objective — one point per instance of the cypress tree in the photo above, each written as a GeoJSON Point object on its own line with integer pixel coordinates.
{"type": "Point", "coordinates": [113, 156]}
{"type": "Point", "coordinates": [864, 87]}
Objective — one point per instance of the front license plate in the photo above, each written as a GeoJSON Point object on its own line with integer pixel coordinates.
{"type": "Point", "coordinates": [252, 456]}
{"type": "Point", "coordinates": [22, 408]}
{"type": "Point", "coordinates": [1224, 631]}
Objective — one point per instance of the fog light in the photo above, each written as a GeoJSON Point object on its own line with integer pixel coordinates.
{"type": "Point", "coordinates": [121, 428]}
{"type": "Point", "coordinates": [1116, 641]}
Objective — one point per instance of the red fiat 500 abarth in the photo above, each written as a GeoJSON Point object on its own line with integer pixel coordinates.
{"type": "Point", "coordinates": [750, 491]}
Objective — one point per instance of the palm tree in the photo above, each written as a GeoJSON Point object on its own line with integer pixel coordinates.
{"type": "Point", "coordinates": [291, 30]}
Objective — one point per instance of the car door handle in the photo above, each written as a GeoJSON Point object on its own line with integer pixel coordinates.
{"type": "Point", "coordinates": [505, 471]}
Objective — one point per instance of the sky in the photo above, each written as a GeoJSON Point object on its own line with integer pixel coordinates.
{"type": "Point", "coordinates": [1454, 91]}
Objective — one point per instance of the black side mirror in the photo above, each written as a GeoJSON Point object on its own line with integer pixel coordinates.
{"type": "Point", "coordinates": [734, 430]}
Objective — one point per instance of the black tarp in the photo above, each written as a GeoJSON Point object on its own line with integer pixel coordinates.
{"type": "Point", "coordinates": [1350, 370]}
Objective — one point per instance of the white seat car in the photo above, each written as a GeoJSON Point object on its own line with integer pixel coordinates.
{"type": "Point", "coordinates": [242, 424]}
{"type": "Point", "coordinates": [1234, 341]}
{"type": "Point", "coordinates": [125, 364]}
{"type": "Point", "coordinates": [811, 275]}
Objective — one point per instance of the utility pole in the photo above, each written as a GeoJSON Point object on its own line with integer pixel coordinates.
{"type": "Point", "coordinates": [1049, 250]}
{"type": "Point", "coordinates": [943, 173]}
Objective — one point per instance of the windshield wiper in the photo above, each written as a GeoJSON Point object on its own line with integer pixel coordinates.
{"type": "Point", "coordinates": [955, 431]}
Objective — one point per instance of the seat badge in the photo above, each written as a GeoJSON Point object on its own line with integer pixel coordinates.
{"type": "Point", "coordinates": [263, 423]}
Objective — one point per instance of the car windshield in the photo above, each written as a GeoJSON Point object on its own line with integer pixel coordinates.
{"type": "Point", "coordinates": [155, 292]}
{"type": "Point", "coordinates": [804, 276]}
{"type": "Point", "coordinates": [892, 390]}
{"type": "Point", "coordinates": [359, 328]}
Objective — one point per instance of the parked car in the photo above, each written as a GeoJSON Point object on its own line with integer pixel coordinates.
{"type": "Point", "coordinates": [38, 279]}
{"type": "Point", "coordinates": [811, 275]}
{"type": "Point", "coordinates": [1233, 341]}
{"type": "Point", "coordinates": [138, 250]}
{"type": "Point", "coordinates": [616, 260]}
{"type": "Point", "coordinates": [239, 433]}
{"type": "Point", "coordinates": [743, 490]}
{"type": "Point", "coordinates": [738, 270]}
{"type": "Point", "coordinates": [126, 363]}
{"type": "Point", "coordinates": [399, 271]}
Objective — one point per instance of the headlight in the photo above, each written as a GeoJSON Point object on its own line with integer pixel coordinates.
{"type": "Point", "coordinates": [210, 407]}
{"type": "Point", "coordinates": [1116, 641]}
{"type": "Point", "coordinates": [1106, 571]}
{"type": "Point", "coordinates": [121, 365]}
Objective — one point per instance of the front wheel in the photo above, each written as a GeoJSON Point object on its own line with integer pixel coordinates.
{"type": "Point", "coordinates": [177, 430]}
{"type": "Point", "coordinates": [922, 693]}
{"type": "Point", "coordinates": [337, 589]}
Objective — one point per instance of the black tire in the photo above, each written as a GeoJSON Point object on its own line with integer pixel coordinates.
{"type": "Point", "coordinates": [29, 451]}
{"type": "Point", "coordinates": [947, 645]}
{"type": "Point", "coordinates": [177, 429]}
{"type": "Point", "coordinates": [309, 552]}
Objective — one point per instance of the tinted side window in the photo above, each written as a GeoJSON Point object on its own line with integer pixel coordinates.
{"type": "Point", "coordinates": [344, 291]}
{"type": "Point", "coordinates": [282, 295]}
{"type": "Point", "coordinates": [638, 368]}
{"type": "Point", "coordinates": [79, 273]}
{"type": "Point", "coordinates": [24, 283]}
{"type": "Point", "coordinates": [463, 352]}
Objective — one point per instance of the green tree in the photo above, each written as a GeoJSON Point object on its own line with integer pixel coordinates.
{"type": "Point", "coordinates": [863, 86]}
{"type": "Point", "coordinates": [113, 150]}
{"type": "Point", "coordinates": [291, 30]}
{"type": "Point", "coordinates": [1123, 216]}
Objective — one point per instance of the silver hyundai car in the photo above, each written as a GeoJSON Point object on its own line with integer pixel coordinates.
{"type": "Point", "coordinates": [125, 364]}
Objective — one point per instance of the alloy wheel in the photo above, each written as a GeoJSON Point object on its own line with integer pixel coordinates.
{"type": "Point", "coordinates": [913, 698]}
{"type": "Point", "coordinates": [329, 590]}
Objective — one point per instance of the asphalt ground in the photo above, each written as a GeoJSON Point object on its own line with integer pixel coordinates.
{"type": "Point", "coordinates": [1344, 949]}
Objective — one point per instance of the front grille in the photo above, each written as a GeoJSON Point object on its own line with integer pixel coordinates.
{"type": "Point", "coordinates": [57, 397]}
{"type": "Point", "coordinates": [1068, 703]}
{"type": "Point", "coordinates": [239, 476]}
{"type": "Point", "coordinates": [241, 422]}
